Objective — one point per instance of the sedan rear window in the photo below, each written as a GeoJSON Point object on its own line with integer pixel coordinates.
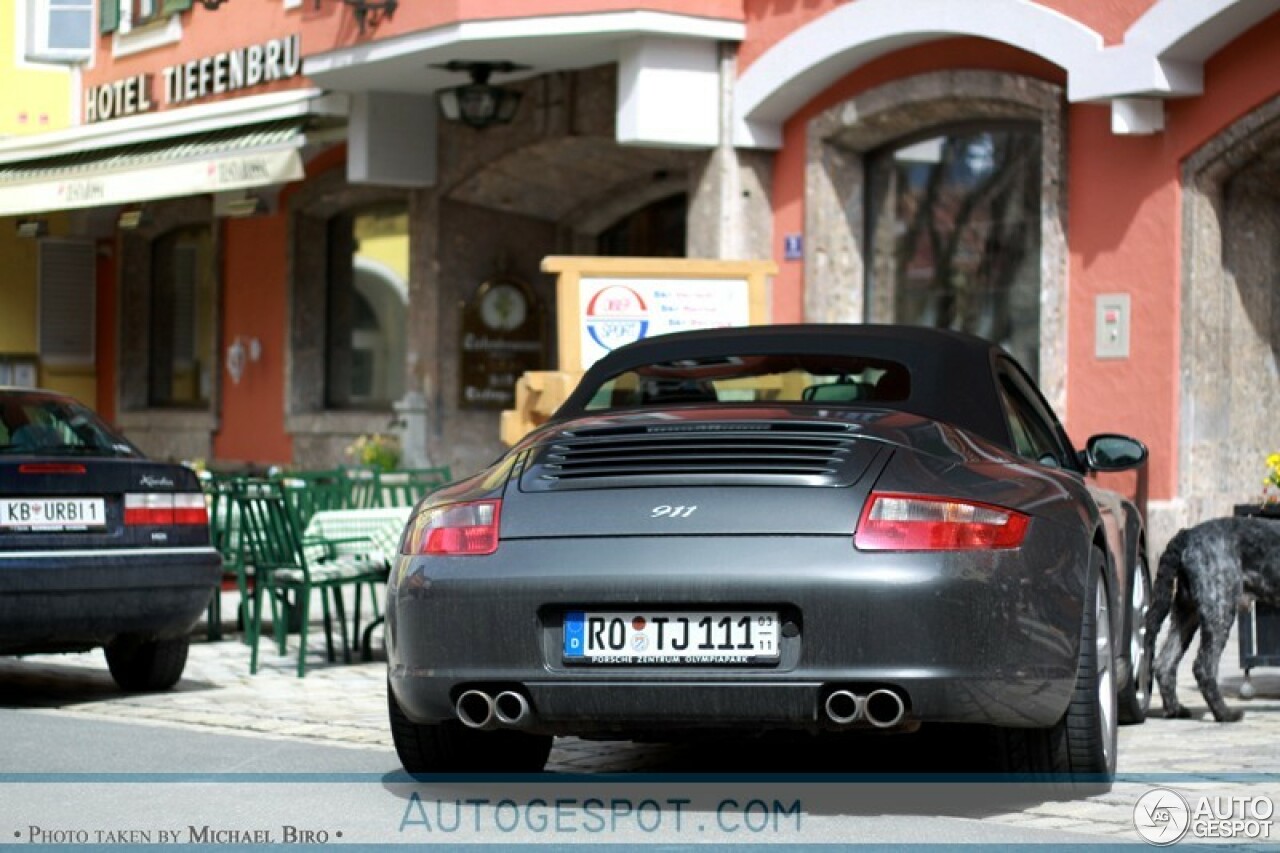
{"type": "Point", "coordinates": [818, 379]}
{"type": "Point", "coordinates": [51, 426]}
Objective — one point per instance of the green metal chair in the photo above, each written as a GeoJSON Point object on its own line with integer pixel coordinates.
{"type": "Point", "coordinates": [407, 487]}
{"type": "Point", "coordinates": [308, 492]}
{"type": "Point", "coordinates": [362, 487]}
{"type": "Point", "coordinates": [226, 536]}
{"type": "Point", "coordinates": [284, 572]}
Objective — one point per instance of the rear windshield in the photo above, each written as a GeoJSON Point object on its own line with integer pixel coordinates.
{"type": "Point", "coordinates": [51, 426]}
{"type": "Point", "coordinates": [820, 379]}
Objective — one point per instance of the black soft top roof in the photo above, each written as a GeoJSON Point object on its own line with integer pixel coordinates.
{"type": "Point", "coordinates": [951, 372]}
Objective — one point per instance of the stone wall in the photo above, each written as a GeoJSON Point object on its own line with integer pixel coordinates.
{"type": "Point", "coordinates": [163, 433]}
{"type": "Point", "coordinates": [475, 246]}
{"type": "Point", "coordinates": [836, 256]}
{"type": "Point", "coordinates": [1230, 346]}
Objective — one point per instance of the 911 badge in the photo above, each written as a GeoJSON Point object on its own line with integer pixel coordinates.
{"type": "Point", "coordinates": [666, 511]}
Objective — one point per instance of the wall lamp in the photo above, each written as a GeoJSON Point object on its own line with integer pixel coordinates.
{"type": "Point", "coordinates": [32, 227]}
{"type": "Point", "coordinates": [132, 217]}
{"type": "Point", "coordinates": [479, 103]}
{"type": "Point", "coordinates": [240, 351]}
{"type": "Point", "coordinates": [211, 5]}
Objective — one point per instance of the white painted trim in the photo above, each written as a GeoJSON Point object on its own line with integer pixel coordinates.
{"type": "Point", "coordinates": [1164, 51]}
{"type": "Point", "coordinates": [669, 93]}
{"type": "Point", "coordinates": [612, 24]}
{"type": "Point", "coordinates": [1162, 55]}
{"type": "Point", "coordinates": [1194, 30]}
{"type": "Point", "coordinates": [818, 54]}
{"type": "Point", "coordinates": [146, 37]}
{"type": "Point", "coordinates": [253, 109]}
{"type": "Point", "coordinates": [1137, 116]}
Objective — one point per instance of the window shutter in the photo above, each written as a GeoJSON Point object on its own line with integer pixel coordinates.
{"type": "Point", "coordinates": [108, 16]}
{"type": "Point", "coordinates": [173, 7]}
{"type": "Point", "coordinates": [67, 305]}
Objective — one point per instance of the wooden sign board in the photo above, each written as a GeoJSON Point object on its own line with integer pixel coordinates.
{"type": "Point", "coordinates": [605, 303]}
{"type": "Point", "coordinates": [503, 336]}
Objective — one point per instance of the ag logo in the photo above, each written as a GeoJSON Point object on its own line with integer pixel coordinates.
{"type": "Point", "coordinates": [617, 315]}
{"type": "Point", "coordinates": [1161, 816]}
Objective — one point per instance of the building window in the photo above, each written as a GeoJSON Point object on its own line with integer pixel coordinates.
{"type": "Point", "coordinates": [122, 16]}
{"type": "Point", "coordinates": [59, 30]}
{"type": "Point", "coordinates": [954, 232]}
{"type": "Point", "coordinates": [183, 302]}
{"type": "Point", "coordinates": [366, 304]}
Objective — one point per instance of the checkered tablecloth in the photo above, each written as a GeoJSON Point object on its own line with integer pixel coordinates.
{"type": "Point", "coordinates": [377, 531]}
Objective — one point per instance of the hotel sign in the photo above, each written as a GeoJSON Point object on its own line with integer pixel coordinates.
{"type": "Point", "coordinates": [229, 71]}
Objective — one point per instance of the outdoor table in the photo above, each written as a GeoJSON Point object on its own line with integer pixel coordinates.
{"type": "Point", "coordinates": [1258, 628]}
{"type": "Point", "coordinates": [373, 533]}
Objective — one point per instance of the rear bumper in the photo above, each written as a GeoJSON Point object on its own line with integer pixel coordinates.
{"type": "Point", "coordinates": [61, 601]}
{"type": "Point", "coordinates": [981, 638]}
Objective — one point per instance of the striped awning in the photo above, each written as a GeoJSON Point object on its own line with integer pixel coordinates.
{"type": "Point", "coordinates": [213, 161]}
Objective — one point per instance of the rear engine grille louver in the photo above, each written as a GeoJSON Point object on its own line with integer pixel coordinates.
{"type": "Point", "coordinates": [800, 454]}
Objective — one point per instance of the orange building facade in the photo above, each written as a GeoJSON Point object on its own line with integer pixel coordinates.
{"type": "Point", "coordinates": [294, 246]}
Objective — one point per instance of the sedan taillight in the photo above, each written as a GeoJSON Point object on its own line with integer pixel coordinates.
{"type": "Point", "coordinates": [158, 508]}
{"type": "Point", "coordinates": [469, 528]}
{"type": "Point", "coordinates": [893, 522]}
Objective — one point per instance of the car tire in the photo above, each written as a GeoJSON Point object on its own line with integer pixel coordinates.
{"type": "Point", "coordinates": [1077, 755]}
{"type": "Point", "coordinates": [451, 747]}
{"type": "Point", "coordinates": [1135, 694]}
{"type": "Point", "coordinates": [142, 666]}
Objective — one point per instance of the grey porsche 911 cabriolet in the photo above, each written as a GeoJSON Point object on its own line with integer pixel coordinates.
{"type": "Point", "coordinates": [823, 529]}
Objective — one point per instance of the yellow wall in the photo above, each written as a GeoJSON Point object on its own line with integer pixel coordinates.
{"type": "Point", "coordinates": [33, 99]}
{"type": "Point", "coordinates": [18, 296]}
{"type": "Point", "coordinates": [19, 303]}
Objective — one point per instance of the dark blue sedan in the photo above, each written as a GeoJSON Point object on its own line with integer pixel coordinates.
{"type": "Point", "coordinates": [99, 546]}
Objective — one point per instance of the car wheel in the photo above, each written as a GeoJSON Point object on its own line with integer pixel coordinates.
{"type": "Point", "coordinates": [451, 747]}
{"type": "Point", "coordinates": [146, 665]}
{"type": "Point", "coordinates": [1078, 754]}
{"type": "Point", "coordinates": [1135, 693]}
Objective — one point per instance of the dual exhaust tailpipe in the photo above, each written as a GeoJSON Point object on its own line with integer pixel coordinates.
{"type": "Point", "coordinates": [882, 708]}
{"type": "Point", "coordinates": [476, 709]}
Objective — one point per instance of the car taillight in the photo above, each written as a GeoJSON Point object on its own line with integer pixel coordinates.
{"type": "Point", "coordinates": [892, 522]}
{"type": "Point", "coordinates": [190, 508]}
{"type": "Point", "coordinates": [158, 508]}
{"type": "Point", "coordinates": [456, 529]}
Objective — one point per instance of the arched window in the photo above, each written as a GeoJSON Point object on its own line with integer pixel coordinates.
{"type": "Point", "coordinates": [182, 361]}
{"type": "Point", "coordinates": [954, 232]}
{"type": "Point", "coordinates": [366, 306]}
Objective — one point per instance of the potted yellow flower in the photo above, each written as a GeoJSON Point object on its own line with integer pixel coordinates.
{"type": "Point", "coordinates": [375, 450]}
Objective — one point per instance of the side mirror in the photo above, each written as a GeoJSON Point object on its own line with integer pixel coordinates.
{"type": "Point", "coordinates": [1110, 452]}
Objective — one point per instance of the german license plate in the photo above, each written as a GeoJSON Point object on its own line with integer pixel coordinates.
{"type": "Point", "coordinates": [670, 638]}
{"type": "Point", "coordinates": [52, 514]}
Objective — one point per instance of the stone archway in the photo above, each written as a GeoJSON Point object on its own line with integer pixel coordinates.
{"type": "Point", "coordinates": [835, 190]}
{"type": "Point", "coordinates": [1230, 336]}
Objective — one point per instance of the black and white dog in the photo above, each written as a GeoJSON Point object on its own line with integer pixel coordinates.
{"type": "Point", "coordinates": [1206, 573]}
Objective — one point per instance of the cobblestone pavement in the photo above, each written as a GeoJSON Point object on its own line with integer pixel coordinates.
{"type": "Point", "coordinates": [345, 704]}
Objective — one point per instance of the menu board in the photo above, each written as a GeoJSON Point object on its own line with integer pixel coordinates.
{"type": "Point", "coordinates": [614, 312]}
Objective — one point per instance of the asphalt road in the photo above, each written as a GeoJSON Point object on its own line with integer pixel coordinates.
{"type": "Point", "coordinates": [75, 780]}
